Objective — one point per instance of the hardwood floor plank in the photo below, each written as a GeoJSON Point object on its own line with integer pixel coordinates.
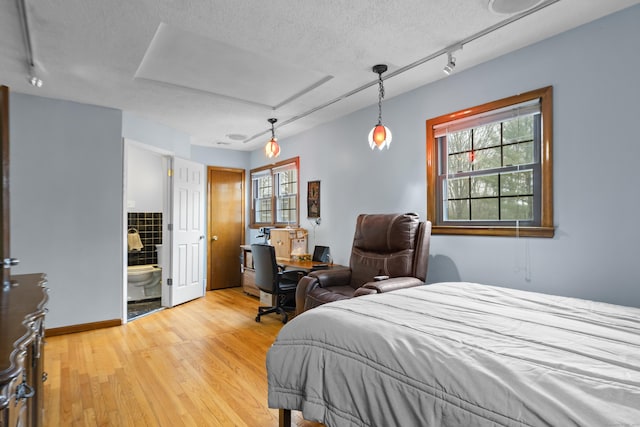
{"type": "Point", "coordinates": [199, 364]}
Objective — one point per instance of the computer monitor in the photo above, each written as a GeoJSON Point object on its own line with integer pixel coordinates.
{"type": "Point", "coordinates": [321, 254]}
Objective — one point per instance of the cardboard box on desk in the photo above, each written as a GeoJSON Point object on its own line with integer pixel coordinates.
{"type": "Point", "coordinates": [287, 241]}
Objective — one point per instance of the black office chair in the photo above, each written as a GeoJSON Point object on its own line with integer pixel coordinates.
{"type": "Point", "coordinates": [273, 279]}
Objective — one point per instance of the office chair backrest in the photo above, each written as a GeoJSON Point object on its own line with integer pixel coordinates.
{"type": "Point", "coordinates": [266, 267]}
{"type": "Point", "coordinates": [321, 254]}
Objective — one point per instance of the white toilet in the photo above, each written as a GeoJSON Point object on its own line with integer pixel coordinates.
{"type": "Point", "coordinates": [143, 281]}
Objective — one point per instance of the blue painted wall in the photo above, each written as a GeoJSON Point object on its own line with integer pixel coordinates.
{"type": "Point", "coordinates": [594, 72]}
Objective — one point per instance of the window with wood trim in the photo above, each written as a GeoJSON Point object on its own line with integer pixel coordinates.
{"type": "Point", "coordinates": [489, 168]}
{"type": "Point", "coordinates": [274, 194]}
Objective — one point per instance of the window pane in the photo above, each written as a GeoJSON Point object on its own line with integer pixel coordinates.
{"type": "Point", "coordinates": [484, 209]}
{"type": "Point", "coordinates": [458, 142]}
{"type": "Point", "coordinates": [264, 186]}
{"type": "Point", "coordinates": [286, 207]}
{"type": "Point", "coordinates": [459, 163]}
{"type": "Point", "coordinates": [486, 136]}
{"type": "Point", "coordinates": [458, 188]}
{"type": "Point", "coordinates": [518, 129]}
{"type": "Point", "coordinates": [263, 210]}
{"type": "Point", "coordinates": [517, 208]}
{"type": "Point", "coordinates": [288, 182]}
{"type": "Point", "coordinates": [516, 183]}
{"type": "Point", "coordinates": [457, 210]}
{"type": "Point", "coordinates": [518, 154]}
{"type": "Point", "coordinates": [487, 159]}
{"type": "Point", "coordinates": [484, 186]}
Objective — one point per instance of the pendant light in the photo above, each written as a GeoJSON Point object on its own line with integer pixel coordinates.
{"type": "Point", "coordinates": [272, 149]}
{"type": "Point", "coordinates": [380, 135]}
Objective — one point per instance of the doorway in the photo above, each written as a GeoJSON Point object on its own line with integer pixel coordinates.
{"type": "Point", "coordinates": [146, 213]}
{"type": "Point", "coordinates": [225, 226]}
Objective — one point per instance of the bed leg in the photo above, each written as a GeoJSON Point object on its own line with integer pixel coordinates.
{"type": "Point", "coordinates": [285, 418]}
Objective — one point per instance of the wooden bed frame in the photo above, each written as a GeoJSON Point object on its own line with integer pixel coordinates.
{"type": "Point", "coordinates": [284, 417]}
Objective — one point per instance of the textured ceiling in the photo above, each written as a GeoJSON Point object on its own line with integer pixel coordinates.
{"type": "Point", "coordinates": [220, 68]}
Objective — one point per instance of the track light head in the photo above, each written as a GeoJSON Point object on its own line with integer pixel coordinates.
{"type": "Point", "coordinates": [33, 77]}
{"type": "Point", "coordinates": [35, 81]}
{"type": "Point", "coordinates": [451, 64]}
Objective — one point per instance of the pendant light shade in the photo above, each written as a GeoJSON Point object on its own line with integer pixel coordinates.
{"type": "Point", "coordinates": [272, 149]}
{"type": "Point", "coordinates": [380, 136]}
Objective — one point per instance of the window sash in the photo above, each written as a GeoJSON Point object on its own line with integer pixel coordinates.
{"type": "Point", "coordinates": [500, 202]}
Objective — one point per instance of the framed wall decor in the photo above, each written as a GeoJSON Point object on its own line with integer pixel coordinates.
{"type": "Point", "coordinates": [313, 199]}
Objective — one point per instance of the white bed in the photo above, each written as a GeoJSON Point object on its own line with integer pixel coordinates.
{"type": "Point", "coordinates": [460, 354]}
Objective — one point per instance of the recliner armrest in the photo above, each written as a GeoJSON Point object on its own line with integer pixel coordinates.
{"type": "Point", "coordinates": [388, 285]}
{"type": "Point", "coordinates": [305, 285]}
{"type": "Point", "coordinates": [317, 279]}
{"type": "Point", "coordinates": [332, 277]}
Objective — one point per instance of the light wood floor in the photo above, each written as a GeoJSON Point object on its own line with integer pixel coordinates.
{"type": "Point", "coordinates": [198, 364]}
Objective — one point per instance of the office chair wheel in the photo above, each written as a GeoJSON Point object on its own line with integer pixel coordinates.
{"type": "Point", "coordinates": [258, 319]}
{"type": "Point", "coordinates": [285, 318]}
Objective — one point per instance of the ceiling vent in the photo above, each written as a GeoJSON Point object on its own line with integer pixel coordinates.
{"type": "Point", "coordinates": [509, 7]}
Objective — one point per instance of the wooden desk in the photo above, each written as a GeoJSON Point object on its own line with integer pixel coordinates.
{"type": "Point", "coordinates": [248, 273]}
{"type": "Point", "coordinates": [308, 265]}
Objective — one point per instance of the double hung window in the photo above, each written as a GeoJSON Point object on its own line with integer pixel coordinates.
{"type": "Point", "coordinates": [274, 194]}
{"type": "Point", "coordinates": [489, 168]}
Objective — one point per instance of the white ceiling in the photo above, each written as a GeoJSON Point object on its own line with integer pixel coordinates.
{"type": "Point", "coordinates": [218, 69]}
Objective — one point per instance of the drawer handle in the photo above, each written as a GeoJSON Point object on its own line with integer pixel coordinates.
{"type": "Point", "coordinates": [24, 391]}
{"type": "Point", "coordinates": [8, 262]}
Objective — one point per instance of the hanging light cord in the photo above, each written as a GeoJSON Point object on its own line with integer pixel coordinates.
{"type": "Point", "coordinates": [380, 97]}
{"type": "Point", "coordinates": [273, 132]}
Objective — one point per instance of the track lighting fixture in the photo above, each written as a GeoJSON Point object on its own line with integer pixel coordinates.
{"type": "Point", "coordinates": [451, 64]}
{"type": "Point", "coordinates": [272, 149]}
{"type": "Point", "coordinates": [33, 77]}
{"type": "Point", "coordinates": [380, 135]}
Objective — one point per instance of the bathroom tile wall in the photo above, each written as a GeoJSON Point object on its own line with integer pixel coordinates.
{"type": "Point", "coordinates": [149, 227]}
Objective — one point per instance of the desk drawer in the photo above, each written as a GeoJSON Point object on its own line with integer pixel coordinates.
{"type": "Point", "coordinates": [249, 282]}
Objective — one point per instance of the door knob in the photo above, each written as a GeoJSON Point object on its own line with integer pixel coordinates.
{"type": "Point", "coordinates": [214, 238]}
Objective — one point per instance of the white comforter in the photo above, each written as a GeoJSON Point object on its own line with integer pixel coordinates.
{"type": "Point", "coordinates": [460, 354]}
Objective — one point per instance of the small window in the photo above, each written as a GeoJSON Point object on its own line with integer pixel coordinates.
{"type": "Point", "coordinates": [489, 168]}
{"type": "Point", "coordinates": [274, 194]}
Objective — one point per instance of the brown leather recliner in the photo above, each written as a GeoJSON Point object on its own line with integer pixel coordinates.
{"type": "Point", "coordinates": [392, 245]}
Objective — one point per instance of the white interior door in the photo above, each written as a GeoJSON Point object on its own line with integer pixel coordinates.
{"type": "Point", "coordinates": [187, 260]}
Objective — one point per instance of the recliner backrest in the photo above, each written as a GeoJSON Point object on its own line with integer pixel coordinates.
{"type": "Point", "coordinates": [265, 266]}
{"type": "Point", "coordinates": [394, 245]}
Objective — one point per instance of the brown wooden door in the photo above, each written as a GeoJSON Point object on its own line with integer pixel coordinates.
{"type": "Point", "coordinates": [4, 165]}
{"type": "Point", "coordinates": [226, 226]}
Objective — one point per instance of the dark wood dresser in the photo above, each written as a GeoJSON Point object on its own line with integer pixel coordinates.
{"type": "Point", "coordinates": [22, 311]}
